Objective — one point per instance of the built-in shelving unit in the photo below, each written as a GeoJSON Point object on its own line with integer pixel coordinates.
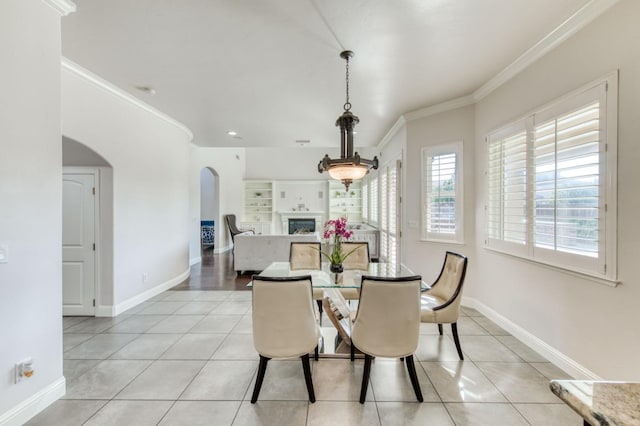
{"type": "Point", "coordinates": [345, 203]}
{"type": "Point", "coordinates": [258, 206]}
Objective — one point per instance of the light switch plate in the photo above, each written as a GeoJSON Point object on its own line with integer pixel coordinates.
{"type": "Point", "coordinates": [4, 253]}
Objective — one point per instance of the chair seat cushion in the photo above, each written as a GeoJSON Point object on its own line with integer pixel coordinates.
{"type": "Point", "coordinates": [427, 304]}
{"type": "Point", "coordinates": [350, 293]}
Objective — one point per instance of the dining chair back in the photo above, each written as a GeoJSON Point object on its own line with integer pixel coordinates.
{"type": "Point", "coordinates": [387, 323]}
{"type": "Point", "coordinates": [284, 324]}
{"type": "Point", "coordinates": [305, 256]}
{"type": "Point", "coordinates": [440, 304]}
{"type": "Point", "coordinates": [359, 257]}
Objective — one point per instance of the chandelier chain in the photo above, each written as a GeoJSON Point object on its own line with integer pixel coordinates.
{"type": "Point", "coordinates": [347, 104]}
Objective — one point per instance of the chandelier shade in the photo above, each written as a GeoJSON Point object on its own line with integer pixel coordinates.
{"type": "Point", "coordinates": [349, 166]}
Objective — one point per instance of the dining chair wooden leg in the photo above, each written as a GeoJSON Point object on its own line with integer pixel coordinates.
{"type": "Point", "coordinates": [316, 355]}
{"type": "Point", "coordinates": [454, 330]}
{"type": "Point", "coordinates": [414, 378]}
{"type": "Point", "coordinates": [307, 377]}
{"type": "Point", "coordinates": [440, 329]}
{"type": "Point", "coordinates": [352, 350]}
{"type": "Point", "coordinates": [365, 378]}
{"type": "Point", "coordinates": [262, 368]}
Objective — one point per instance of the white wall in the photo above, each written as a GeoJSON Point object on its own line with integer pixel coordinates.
{"type": "Point", "coordinates": [593, 324]}
{"type": "Point", "coordinates": [299, 163]}
{"type": "Point", "coordinates": [30, 206]}
{"type": "Point", "coordinates": [150, 160]}
{"type": "Point", "coordinates": [208, 198]}
{"type": "Point", "coordinates": [229, 165]}
{"type": "Point", "coordinates": [426, 258]}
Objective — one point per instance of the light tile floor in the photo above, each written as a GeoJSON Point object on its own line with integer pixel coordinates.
{"type": "Point", "coordinates": [187, 358]}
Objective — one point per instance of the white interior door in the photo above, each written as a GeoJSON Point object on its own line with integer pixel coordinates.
{"type": "Point", "coordinates": [78, 239]}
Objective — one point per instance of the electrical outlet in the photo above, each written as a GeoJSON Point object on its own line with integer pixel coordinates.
{"type": "Point", "coordinates": [24, 369]}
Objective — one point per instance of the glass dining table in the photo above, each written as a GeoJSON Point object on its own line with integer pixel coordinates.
{"type": "Point", "coordinates": [335, 332]}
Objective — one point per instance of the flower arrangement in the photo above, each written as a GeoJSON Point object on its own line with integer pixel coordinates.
{"type": "Point", "coordinates": [337, 229]}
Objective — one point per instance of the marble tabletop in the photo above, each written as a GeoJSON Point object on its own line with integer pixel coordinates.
{"type": "Point", "coordinates": [601, 403]}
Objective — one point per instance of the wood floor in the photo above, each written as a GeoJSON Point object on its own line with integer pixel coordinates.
{"type": "Point", "coordinates": [215, 272]}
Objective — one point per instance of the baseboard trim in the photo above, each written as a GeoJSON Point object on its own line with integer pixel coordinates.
{"type": "Point", "coordinates": [107, 310]}
{"type": "Point", "coordinates": [30, 407]}
{"type": "Point", "coordinates": [568, 365]}
{"type": "Point", "coordinates": [195, 260]}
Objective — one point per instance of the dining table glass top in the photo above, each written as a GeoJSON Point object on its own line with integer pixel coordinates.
{"type": "Point", "coordinates": [324, 278]}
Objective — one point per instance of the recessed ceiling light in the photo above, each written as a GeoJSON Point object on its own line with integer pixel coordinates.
{"type": "Point", "coordinates": [147, 89]}
{"type": "Point", "coordinates": [232, 133]}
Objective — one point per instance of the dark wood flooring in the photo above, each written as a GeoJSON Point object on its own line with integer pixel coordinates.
{"type": "Point", "coordinates": [215, 272]}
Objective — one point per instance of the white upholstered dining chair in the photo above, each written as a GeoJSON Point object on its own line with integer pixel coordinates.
{"type": "Point", "coordinates": [307, 256]}
{"type": "Point", "coordinates": [440, 304]}
{"type": "Point", "coordinates": [387, 324]}
{"type": "Point", "coordinates": [359, 260]}
{"type": "Point", "coordinates": [284, 324]}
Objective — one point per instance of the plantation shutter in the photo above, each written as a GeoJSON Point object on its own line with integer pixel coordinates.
{"type": "Point", "coordinates": [384, 219]}
{"type": "Point", "coordinates": [365, 201]}
{"type": "Point", "coordinates": [567, 182]}
{"type": "Point", "coordinates": [507, 178]}
{"type": "Point", "coordinates": [440, 187]}
{"type": "Point", "coordinates": [392, 253]}
{"type": "Point", "coordinates": [373, 196]}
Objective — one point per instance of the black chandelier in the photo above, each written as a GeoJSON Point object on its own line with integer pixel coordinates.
{"type": "Point", "coordinates": [349, 166]}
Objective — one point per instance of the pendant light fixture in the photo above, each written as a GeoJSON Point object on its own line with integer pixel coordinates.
{"type": "Point", "coordinates": [349, 166]}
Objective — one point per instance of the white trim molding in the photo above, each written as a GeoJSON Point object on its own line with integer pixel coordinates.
{"type": "Point", "coordinates": [441, 107]}
{"type": "Point", "coordinates": [568, 365]}
{"type": "Point", "coordinates": [400, 122]}
{"type": "Point", "coordinates": [114, 310]}
{"type": "Point", "coordinates": [195, 260]}
{"type": "Point", "coordinates": [572, 25]}
{"type": "Point", "coordinates": [63, 7]}
{"type": "Point", "coordinates": [118, 92]}
{"type": "Point", "coordinates": [30, 407]}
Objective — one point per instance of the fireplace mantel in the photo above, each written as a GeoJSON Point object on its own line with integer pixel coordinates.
{"type": "Point", "coordinates": [318, 216]}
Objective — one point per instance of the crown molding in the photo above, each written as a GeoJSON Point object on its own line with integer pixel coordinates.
{"type": "Point", "coordinates": [400, 122]}
{"type": "Point", "coordinates": [119, 93]}
{"type": "Point", "coordinates": [63, 7]}
{"type": "Point", "coordinates": [441, 107]}
{"type": "Point", "coordinates": [572, 25]}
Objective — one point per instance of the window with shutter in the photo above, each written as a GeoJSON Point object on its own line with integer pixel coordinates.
{"type": "Point", "coordinates": [442, 193]}
{"type": "Point", "coordinates": [373, 201]}
{"type": "Point", "coordinates": [365, 201]}
{"type": "Point", "coordinates": [551, 183]}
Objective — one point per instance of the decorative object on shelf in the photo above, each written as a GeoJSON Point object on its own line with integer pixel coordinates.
{"type": "Point", "coordinates": [349, 166]}
{"type": "Point", "coordinates": [336, 229]}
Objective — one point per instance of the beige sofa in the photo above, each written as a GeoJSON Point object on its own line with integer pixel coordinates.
{"type": "Point", "coordinates": [256, 252]}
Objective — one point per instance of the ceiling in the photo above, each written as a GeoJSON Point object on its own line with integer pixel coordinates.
{"type": "Point", "coordinates": [270, 69]}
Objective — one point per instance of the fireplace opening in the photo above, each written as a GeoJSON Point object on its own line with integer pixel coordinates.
{"type": "Point", "coordinates": [302, 226]}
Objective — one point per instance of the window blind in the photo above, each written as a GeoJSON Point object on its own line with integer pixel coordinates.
{"type": "Point", "coordinates": [567, 195]}
{"type": "Point", "coordinates": [440, 200]}
{"type": "Point", "coordinates": [507, 198]}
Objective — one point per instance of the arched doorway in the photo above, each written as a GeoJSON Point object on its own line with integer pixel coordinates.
{"type": "Point", "coordinates": [87, 230]}
{"type": "Point", "coordinates": [210, 226]}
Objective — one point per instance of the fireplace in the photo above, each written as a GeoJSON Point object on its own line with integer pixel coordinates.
{"type": "Point", "coordinates": [302, 225]}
